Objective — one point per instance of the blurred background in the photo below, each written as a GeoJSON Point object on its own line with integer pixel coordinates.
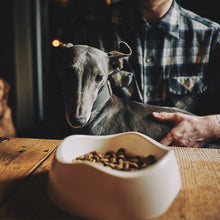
{"type": "Point", "coordinates": [30, 32]}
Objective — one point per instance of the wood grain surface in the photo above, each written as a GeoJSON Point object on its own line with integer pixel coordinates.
{"type": "Point", "coordinates": [25, 163]}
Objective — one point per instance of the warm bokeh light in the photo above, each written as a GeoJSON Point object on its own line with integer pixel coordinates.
{"type": "Point", "coordinates": [108, 2]}
{"type": "Point", "coordinates": [56, 43]}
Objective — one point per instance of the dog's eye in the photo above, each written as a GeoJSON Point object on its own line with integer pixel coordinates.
{"type": "Point", "coordinates": [99, 78]}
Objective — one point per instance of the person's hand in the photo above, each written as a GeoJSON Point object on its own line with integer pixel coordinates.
{"type": "Point", "coordinates": [188, 130]}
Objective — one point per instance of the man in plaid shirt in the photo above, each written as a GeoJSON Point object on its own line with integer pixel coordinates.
{"type": "Point", "coordinates": [174, 62]}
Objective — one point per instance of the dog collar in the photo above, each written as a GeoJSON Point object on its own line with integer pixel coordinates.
{"type": "Point", "coordinates": [104, 95]}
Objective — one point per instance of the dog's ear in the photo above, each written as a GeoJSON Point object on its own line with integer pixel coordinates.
{"type": "Point", "coordinates": [66, 45]}
{"type": "Point", "coordinates": [116, 57]}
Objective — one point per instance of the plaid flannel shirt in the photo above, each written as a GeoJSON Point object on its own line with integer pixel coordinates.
{"type": "Point", "coordinates": [174, 62]}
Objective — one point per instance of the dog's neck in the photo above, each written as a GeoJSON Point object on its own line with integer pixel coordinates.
{"type": "Point", "coordinates": [103, 96]}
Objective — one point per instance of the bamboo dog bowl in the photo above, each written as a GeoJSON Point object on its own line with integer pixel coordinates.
{"type": "Point", "coordinates": [93, 191]}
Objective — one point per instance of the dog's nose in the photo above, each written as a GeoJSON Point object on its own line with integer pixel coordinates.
{"type": "Point", "coordinates": [78, 121]}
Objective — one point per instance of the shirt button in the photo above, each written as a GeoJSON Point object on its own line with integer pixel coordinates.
{"type": "Point", "coordinates": [148, 94]}
{"type": "Point", "coordinates": [149, 60]}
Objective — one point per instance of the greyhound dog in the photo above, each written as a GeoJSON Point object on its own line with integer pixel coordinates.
{"type": "Point", "coordinates": [90, 108]}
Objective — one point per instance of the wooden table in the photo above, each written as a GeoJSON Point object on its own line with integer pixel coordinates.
{"type": "Point", "coordinates": [24, 166]}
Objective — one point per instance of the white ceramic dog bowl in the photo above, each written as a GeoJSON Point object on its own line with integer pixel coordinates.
{"type": "Point", "coordinates": [92, 191]}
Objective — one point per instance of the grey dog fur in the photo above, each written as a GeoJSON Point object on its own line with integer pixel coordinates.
{"type": "Point", "coordinates": [80, 66]}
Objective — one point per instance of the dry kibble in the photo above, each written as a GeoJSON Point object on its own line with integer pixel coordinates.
{"type": "Point", "coordinates": [121, 151]}
{"type": "Point", "coordinates": [108, 154]}
{"type": "Point", "coordinates": [81, 157]}
{"type": "Point", "coordinates": [112, 165]}
{"type": "Point", "coordinates": [126, 165]}
{"type": "Point", "coordinates": [112, 160]}
{"type": "Point", "coordinates": [104, 160]}
{"type": "Point", "coordinates": [135, 159]}
{"type": "Point", "coordinates": [118, 160]}
{"type": "Point", "coordinates": [133, 165]}
{"type": "Point", "coordinates": [149, 160]}
{"type": "Point", "coordinates": [121, 156]}
{"type": "Point", "coordinates": [96, 158]}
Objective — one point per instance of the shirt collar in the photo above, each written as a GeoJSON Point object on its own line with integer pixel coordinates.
{"type": "Point", "coordinates": [170, 21]}
{"type": "Point", "coordinates": [129, 19]}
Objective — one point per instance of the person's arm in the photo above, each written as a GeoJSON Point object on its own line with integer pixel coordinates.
{"type": "Point", "coordinates": [190, 131]}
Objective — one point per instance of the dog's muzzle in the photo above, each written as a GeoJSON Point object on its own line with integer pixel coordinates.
{"type": "Point", "coordinates": [76, 122]}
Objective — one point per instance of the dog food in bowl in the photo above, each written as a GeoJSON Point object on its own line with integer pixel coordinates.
{"type": "Point", "coordinates": [119, 160]}
{"type": "Point", "coordinates": [90, 191]}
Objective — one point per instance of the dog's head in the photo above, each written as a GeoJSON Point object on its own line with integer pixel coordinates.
{"type": "Point", "coordinates": [84, 71]}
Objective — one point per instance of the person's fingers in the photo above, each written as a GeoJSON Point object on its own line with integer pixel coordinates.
{"type": "Point", "coordinates": [167, 140]}
{"type": "Point", "coordinates": [165, 116]}
{"type": "Point", "coordinates": [174, 137]}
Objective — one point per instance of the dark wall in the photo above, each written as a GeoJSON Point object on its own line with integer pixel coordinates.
{"type": "Point", "coordinates": [206, 8]}
{"type": "Point", "coordinates": [7, 70]}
